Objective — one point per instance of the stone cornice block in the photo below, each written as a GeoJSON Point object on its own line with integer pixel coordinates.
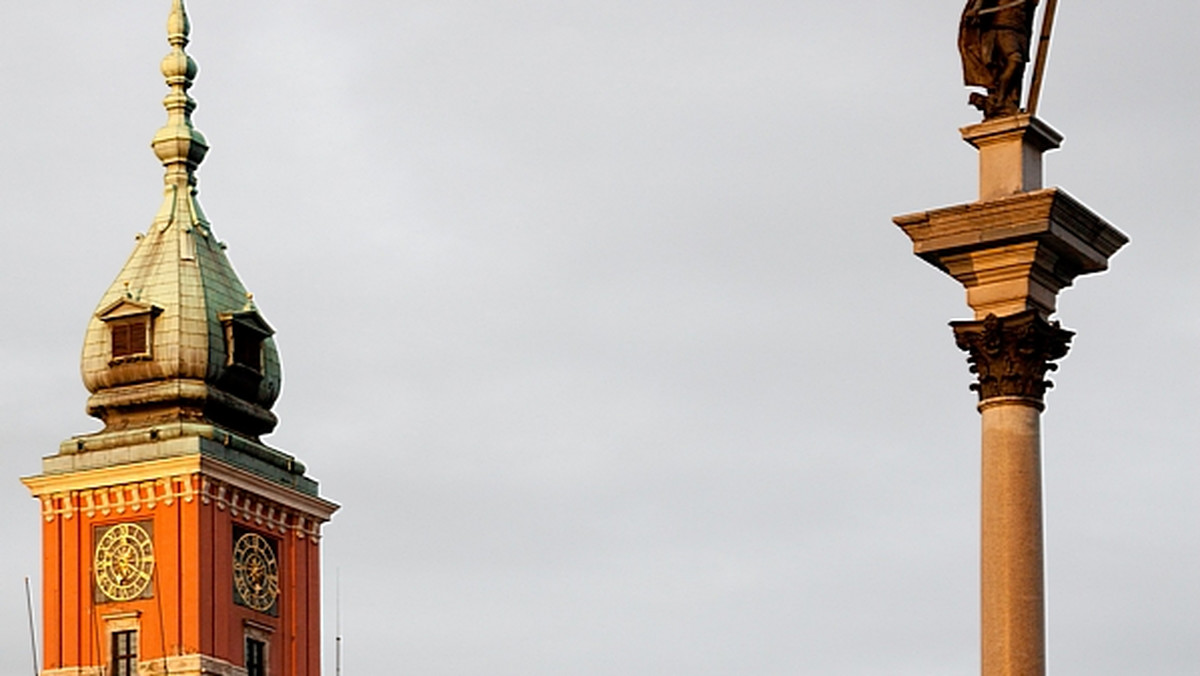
{"type": "Point", "coordinates": [1031, 130]}
{"type": "Point", "coordinates": [1014, 253]}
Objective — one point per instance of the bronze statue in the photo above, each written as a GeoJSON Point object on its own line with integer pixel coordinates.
{"type": "Point", "coordinates": [993, 39]}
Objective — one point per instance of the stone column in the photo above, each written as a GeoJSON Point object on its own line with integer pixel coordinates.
{"type": "Point", "coordinates": [1013, 251]}
{"type": "Point", "coordinates": [1011, 356]}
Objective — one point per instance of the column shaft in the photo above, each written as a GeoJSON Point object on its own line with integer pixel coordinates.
{"type": "Point", "coordinates": [1012, 577]}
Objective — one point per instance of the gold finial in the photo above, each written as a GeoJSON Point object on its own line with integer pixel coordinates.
{"type": "Point", "coordinates": [178, 27]}
{"type": "Point", "coordinates": [179, 146]}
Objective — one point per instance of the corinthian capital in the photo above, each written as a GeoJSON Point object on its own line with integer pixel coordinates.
{"type": "Point", "coordinates": [1011, 355]}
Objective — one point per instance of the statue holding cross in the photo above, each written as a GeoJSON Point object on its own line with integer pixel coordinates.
{"type": "Point", "coordinates": [993, 39]}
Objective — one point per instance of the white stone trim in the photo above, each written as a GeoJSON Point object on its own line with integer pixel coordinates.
{"type": "Point", "coordinates": [114, 622]}
{"type": "Point", "coordinates": [133, 488]}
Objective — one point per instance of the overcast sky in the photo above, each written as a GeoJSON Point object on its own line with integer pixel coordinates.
{"type": "Point", "coordinates": [594, 320]}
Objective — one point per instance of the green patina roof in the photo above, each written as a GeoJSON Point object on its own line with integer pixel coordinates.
{"type": "Point", "coordinates": [180, 280]}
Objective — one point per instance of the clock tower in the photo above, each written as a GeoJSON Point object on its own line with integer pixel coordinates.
{"type": "Point", "coordinates": [174, 540]}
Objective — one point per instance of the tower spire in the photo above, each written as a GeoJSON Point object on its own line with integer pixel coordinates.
{"type": "Point", "coordinates": [175, 340]}
{"type": "Point", "coordinates": [179, 145]}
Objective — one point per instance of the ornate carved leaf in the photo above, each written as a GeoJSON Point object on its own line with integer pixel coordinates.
{"type": "Point", "coordinates": [1011, 355]}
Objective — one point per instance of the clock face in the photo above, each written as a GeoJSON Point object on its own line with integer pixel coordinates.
{"type": "Point", "coordinates": [255, 572]}
{"type": "Point", "coordinates": [124, 561]}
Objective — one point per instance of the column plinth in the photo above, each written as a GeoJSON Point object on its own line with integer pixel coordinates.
{"type": "Point", "coordinates": [1010, 153]}
{"type": "Point", "coordinates": [1016, 253]}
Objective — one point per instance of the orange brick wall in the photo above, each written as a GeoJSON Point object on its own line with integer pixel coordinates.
{"type": "Point", "coordinates": [192, 608]}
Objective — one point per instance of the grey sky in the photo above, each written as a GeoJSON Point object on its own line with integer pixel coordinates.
{"type": "Point", "coordinates": [593, 318]}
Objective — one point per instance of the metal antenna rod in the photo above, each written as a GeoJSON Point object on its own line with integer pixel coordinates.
{"type": "Point", "coordinates": [32, 631]}
{"type": "Point", "coordinates": [1039, 66]}
{"type": "Point", "coordinates": [337, 660]}
{"type": "Point", "coordinates": [162, 627]}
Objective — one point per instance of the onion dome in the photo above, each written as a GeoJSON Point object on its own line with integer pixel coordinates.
{"type": "Point", "coordinates": [177, 346]}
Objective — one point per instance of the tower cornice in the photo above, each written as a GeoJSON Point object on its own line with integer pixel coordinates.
{"type": "Point", "coordinates": [186, 478]}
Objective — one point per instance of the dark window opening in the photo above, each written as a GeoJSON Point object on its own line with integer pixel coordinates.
{"type": "Point", "coordinates": [247, 347]}
{"type": "Point", "coordinates": [124, 653]}
{"type": "Point", "coordinates": [255, 664]}
{"type": "Point", "coordinates": [128, 338]}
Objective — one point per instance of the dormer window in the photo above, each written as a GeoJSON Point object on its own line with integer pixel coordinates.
{"type": "Point", "coordinates": [130, 338]}
{"type": "Point", "coordinates": [245, 347]}
{"type": "Point", "coordinates": [244, 335]}
{"type": "Point", "coordinates": [130, 329]}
